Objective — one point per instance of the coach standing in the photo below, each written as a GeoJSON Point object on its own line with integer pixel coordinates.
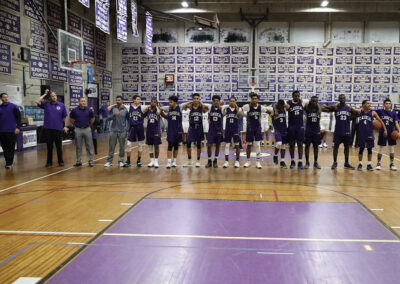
{"type": "Point", "coordinates": [10, 123]}
{"type": "Point", "coordinates": [82, 118]}
{"type": "Point", "coordinates": [55, 121]}
{"type": "Point", "coordinates": [119, 117]}
{"type": "Point", "coordinates": [104, 112]}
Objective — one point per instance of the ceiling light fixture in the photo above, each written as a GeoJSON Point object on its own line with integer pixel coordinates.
{"type": "Point", "coordinates": [185, 4]}
{"type": "Point", "coordinates": [324, 3]}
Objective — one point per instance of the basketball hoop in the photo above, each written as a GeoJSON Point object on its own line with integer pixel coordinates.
{"type": "Point", "coordinates": [78, 62]}
{"type": "Point", "coordinates": [253, 85]}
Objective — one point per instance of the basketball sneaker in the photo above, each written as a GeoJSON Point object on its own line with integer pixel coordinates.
{"type": "Point", "coordinates": [156, 164]}
{"type": "Point", "coordinates": [317, 166]}
{"type": "Point", "coordinates": [300, 166]}
{"type": "Point", "coordinates": [197, 164]}
{"type": "Point", "coordinates": [370, 168]}
{"type": "Point", "coordinates": [359, 168]}
{"type": "Point", "coordinates": [392, 167]}
{"type": "Point", "coordinates": [334, 166]}
{"type": "Point", "coordinates": [247, 164]}
{"type": "Point", "coordinates": [292, 164]}
{"type": "Point", "coordinates": [107, 165]}
{"type": "Point", "coordinates": [348, 166]}
{"type": "Point", "coordinates": [215, 163]}
{"type": "Point", "coordinates": [258, 165]}
{"type": "Point", "coordinates": [378, 166]}
{"type": "Point", "coordinates": [151, 164]}
{"type": "Point", "coordinates": [188, 164]}
{"type": "Point", "coordinates": [283, 165]}
{"type": "Point", "coordinates": [275, 160]}
{"type": "Point", "coordinates": [237, 164]}
{"type": "Point", "coordinates": [226, 164]}
{"type": "Point", "coordinates": [307, 165]}
{"type": "Point", "coordinates": [168, 166]}
{"type": "Point", "coordinates": [174, 163]}
{"type": "Point", "coordinates": [122, 165]}
{"type": "Point", "coordinates": [209, 164]}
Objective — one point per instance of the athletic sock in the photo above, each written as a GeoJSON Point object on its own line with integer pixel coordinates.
{"type": "Point", "coordinates": [369, 163]}
{"type": "Point", "coordinates": [391, 160]}
{"type": "Point", "coordinates": [169, 161]}
{"type": "Point", "coordinates": [379, 158]}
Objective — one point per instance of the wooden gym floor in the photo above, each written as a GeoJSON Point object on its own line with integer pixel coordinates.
{"type": "Point", "coordinates": [56, 223]}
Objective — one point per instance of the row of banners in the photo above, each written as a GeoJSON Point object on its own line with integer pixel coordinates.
{"type": "Point", "coordinates": [362, 72]}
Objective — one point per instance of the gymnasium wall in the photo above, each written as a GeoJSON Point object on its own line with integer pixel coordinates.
{"type": "Point", "coordinates": [19, 25]}
{"type": "Point", "coordinates": [361, 61]}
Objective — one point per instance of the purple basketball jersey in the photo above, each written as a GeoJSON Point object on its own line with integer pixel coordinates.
{"type": "Point", "coordinates": [342, 116]}
{"type": "Point", "coordinates": [253, 118]}
{"type": "Point", "coordinates": [389, 118]}
{"type": "Point", "coordinates": [296, 112]}
{"type": "Point", "coordinates": [232, 121]}
{"type": "Point", "coordinates": [153, 123]}
{"type": "Point", "coordinates": [174, 121]}
{"type": "Point", "coordinates": [279, 121]}
{"type": "Point", "coordinates": [135, 116]}
{"type": "Point", "coordinates": [313, 119]}
{"type": "Point", "coordinates": [196, 118]}
{"type": "Point", "coordinates": [215, 117]}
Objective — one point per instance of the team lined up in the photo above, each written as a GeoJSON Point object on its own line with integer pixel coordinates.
{"type": "Point", "coordinates": [288, 122]}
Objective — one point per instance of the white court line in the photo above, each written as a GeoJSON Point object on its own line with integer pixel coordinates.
{"type": "Point", "coordinates": [386, 155]}
{"type": "Point", "coordinates": [268, 252]}
{"type": "Point", "coordinates": [105, 220]}
{"type": "Point", "coordinates": [377, 209]}
{"type": "Point", "coordinates": [368, 248]}
{"type": "Point", "coordinates": [27, 280]}
{"type": "Point", "coordinates": [395, 227]}
{"type": "Point", "coordinates": [52, 174]}
{"type": "Point", "coordinates": [80, 244]}
{"type": "Point", "coordinates": [252, 238]}
{"type": "Point", "coordinates": [47, 233]}
{"type": "Point", "coordinates": [127, 204]}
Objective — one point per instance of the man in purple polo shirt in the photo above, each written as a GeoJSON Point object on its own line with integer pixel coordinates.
{"type": "Point", "coordinates": [10, 123]}
{"type": "Point", "coordinates": [82, 118]}
{"type": "Point", "coordinates": [55, 121]}
{"type": "Point", "coordinates": [104, 112]}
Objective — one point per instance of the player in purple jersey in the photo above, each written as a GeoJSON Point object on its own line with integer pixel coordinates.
{"type": "Point", "coordinates": [214, 136]}
{"type": "Point", "coordinates": [253, 131]}
{"type": "Point", "coordinates": [342, 132]}
{"type": "Point", "coordinates": [391, 121]}
{"type": "Point", "coordinates": [295, 109]}
{"type": "Point", "coordinates": [196, 133]}
{"type": "Point", "coordinates": [280, 125]}
{"type": "Point", "coordinates": [232, 113]}
{"type": "Point", "coordinates": [173, 114]}
{"type": "Point", "coordinates": [153, 132]}
{"type": "Point", "coordinates": [313, 131]}
{"type": "Point", "coordinates": [366, 133]}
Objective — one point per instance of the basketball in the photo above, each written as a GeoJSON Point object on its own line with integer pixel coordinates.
{"type": "Point", "coordinates": [377, 124]}
{"type": "Point", "coordinates": [395, 135]}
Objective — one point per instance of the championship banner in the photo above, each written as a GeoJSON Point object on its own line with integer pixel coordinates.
{"type": "Point", "coordinates": [149, 34]}
{"type": "Point", "coordinates": [134, 19]}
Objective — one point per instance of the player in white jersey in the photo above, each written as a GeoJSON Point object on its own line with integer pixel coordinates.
{"type": "Point", "coordinates": [185, 124]}
{"type": "Point", "coordinates": [265, 128]}
{"type": "Point", "coordinates": [325, 122]}
{"type": "Point", "coordinates": [205, 126]}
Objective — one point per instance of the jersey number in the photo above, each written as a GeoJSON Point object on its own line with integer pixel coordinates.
{"type": "Point", "coordinates": [215, 118]}
{"type": "Point", "coordinates": [343, 117]}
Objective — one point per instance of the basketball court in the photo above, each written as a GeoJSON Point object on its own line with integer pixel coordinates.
{"type": "Point", "coordinates": [189, 225]}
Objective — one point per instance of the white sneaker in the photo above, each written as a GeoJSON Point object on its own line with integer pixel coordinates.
{"type": "Point", "coordinates": [156, 164]}
{"type": "Point", "coordinates": [378, 167]}
{"type": "Point", "coordinates": [121, 164]}
{"type": "Point", "coordinates": [393, 168]}
{"type": "Point", "coordinates": [151, 164]}
{"type": "Point", "coordinates": [197, 164]}
{"type": "Point", "coordinates": [247, 164]}
{"type": "Point", "coordinates": [174, 164]}
{"type": "Point", "coordinates": [325, 145]}
{"type": "Point", "coordinates": [188, 164]}
{"type": "Point", "coordinates": [226, 164]}
{"type": "Point", "coordinates": [258, 165]}
{"type": "Point", "coordinates": [168, 165]}
{"type": "Point", "coordinates": [237, 164]}
{"type": "Point", "coordinates": [320, 145]}
{"type": "Point", "coordinates": [107, 165]}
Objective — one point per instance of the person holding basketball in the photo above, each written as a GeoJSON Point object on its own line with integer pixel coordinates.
{"type": "Point", "coordinates": [366, 133]}
{"type": "Point", "coordinates": [391, 122]}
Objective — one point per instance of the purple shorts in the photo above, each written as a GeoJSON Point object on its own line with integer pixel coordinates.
{"type": "Point", "coordinates": [296, 133]}
{"type": "Point", "coordinates": [345, 139]}
{"type": "Point", "coordinates": [214, 137]}
{"type": "Point", "coordinates": [253, 134]}
{"type": "Point", "coordinates": [281, 137]}
{"type": "Point", "coordinates": [313, 137]}
{"type": "Point", "coordinates": [231, 135]}
{"type": "Point", "coordinates": [365, 142]}
{"type": "Point", "coordinates": [136, 133]}
{"type": "Point", "coordinates": [174, 137]}
{"type": "Point", "coordinates": [195, 135]}
{"type": "Point", "coordinates": [384, 140]}
{"type": "Point", "coordinates": [153, 139]}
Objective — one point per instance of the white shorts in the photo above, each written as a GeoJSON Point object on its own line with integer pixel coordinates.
{"type": "Point", "coordinates": [205, 126]}
{"type": "Point", "coordinates": [264, 126]}
{"type": "Point", "coordinates": [324, 124]}
{"type": "Point", "coordinates": [185, 127]}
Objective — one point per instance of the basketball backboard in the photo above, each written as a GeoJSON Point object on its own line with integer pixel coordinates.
{"type": "Point", "coordinates": [253, 78]}
{"type": "Point", "coordinates": [70, 50]}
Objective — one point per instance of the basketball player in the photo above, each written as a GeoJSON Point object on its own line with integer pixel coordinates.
{"type": "Point", "coordinates": [153, 132]}
{"type": "Point", "coordinates": [205, 127]}
{"type": "Point", "coordinates": [325, 125]}
{"type": "Point", "coordinates": [265, 128]}
{"type": "Point", "coordinates": [342, 132]}
{"type": "Point", "coordinates": [366, 133]}
{"type": "Point", "coordinates": [214, 136]}
{"type": "Point", "coordinates": [185, 124]}
{"type": "Point", "coordinates": [313, 131]}
{"type": "Point", "coordinates": [232, 113]}
{"type": "Point", "coordinates": [280, 126]}
{"type": "Point", "coordinates": [136, 130]}
{"type": "Point", "coordinates": [253, 131]}
{"type": "Point", "coordinates": [391, 121]}
{"type": "Point", "coordinates": [295, 108]}
{"type": "Point", "coordinates": [196, 133]}
{"type": "Point", "coordinates": [173, 114]}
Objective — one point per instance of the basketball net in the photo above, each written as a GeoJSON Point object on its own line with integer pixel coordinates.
{"type": "Point", "coordinates": [253, 86]}
{"type": "Point", "coordinates": [77, 62]}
